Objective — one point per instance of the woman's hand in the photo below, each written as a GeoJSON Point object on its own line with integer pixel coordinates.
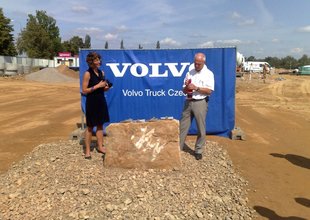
{"type": "Point", "coordinates": [102, 84]}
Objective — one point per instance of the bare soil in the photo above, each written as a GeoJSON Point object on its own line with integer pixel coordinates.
{"type": "Point", "coordinates": [33, 113]}
{"type": "Point", "coordinates": [275, 157]}
{"type": "Point", "coordinates": [275, 117]}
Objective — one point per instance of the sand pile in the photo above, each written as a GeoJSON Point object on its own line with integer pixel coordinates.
{"type": "Point", "coordinates": [68, 72]}
{"type": "Point", "coordinates": [59, 74]}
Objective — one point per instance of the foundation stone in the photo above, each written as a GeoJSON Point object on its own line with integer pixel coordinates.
{"type": "Point", "coordinates": [152, 144]}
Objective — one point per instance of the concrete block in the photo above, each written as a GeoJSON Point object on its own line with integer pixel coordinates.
{"type": "Point", "coordinates": [238, 134]}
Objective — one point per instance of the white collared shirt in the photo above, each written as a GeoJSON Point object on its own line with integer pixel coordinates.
{"type": "Point", "coordinates": [203, 79]}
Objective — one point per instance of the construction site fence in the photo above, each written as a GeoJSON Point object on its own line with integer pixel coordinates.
{"type": "Point", "coordinates": [27, 61]}
{"type": "Point", "coordinates": [10, 66]}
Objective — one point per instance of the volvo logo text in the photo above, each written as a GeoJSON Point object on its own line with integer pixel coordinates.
{"type": "Point", "coordinates": [152, 69]}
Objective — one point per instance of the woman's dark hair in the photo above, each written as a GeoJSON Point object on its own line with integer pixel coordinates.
{"type": "Point", "coordinates": [91, 57]}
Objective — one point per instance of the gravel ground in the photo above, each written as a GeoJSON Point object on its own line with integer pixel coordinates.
{"type": "Point", "coordinates": [54, 181]}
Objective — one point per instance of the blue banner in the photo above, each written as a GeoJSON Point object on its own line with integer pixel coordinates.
{"type": "Point", "coordinates": [148, 84]}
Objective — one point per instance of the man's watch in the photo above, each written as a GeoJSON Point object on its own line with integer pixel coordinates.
{"type": "Point", "coordinates": [197, 89]}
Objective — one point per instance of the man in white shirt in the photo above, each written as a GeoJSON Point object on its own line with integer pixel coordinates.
{"type": "Point", "coordinates": [198, 85]}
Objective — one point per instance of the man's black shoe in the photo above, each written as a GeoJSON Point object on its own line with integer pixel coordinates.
{"type": "Point", "coordinates": [198, 156]}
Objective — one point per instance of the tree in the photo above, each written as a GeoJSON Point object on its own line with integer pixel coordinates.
{"type": "Point", "coordinates": [106, 46]}
{"type": "Point", "coordinates": [87, 43]}
{"type": "Point", "coordinates": [76, 42]}
{"type": "Point", "coordinates": [122, 45]}
{"type": "Point", "coordinates": [40, 38]}
{"type": "Point", "coordinates": [273, 61]}
{"type": "Point", "coordinates": [251, 58]}
{"type": "Point", "coordinates": [304, 60]}
{"type": "Point", "coordinates": [288, 62]}
{"type": "Point", "coordinates": [66, 46]}
{"type": "Point", "coordinates": [157, 45]}
{"type": "Point", "coordinates": [7, 47]}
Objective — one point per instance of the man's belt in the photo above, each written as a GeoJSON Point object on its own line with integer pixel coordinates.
{"type": "Point", "coordinates": [196, 100]}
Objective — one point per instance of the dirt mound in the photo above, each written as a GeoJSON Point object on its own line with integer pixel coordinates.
{"type": "Point", "coordinates": [54, 75]}
{"type": "Point", "coordinates": [67, 71]}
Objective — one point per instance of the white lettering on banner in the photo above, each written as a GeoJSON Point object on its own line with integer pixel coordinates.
{"type": "Point", "coordinates": [145, 70]}
{"type": "Point", "coordinates": [132, 92]}
{"type": "Point", "coordinates": [173, 69]}
{"type": "Point", "coordinates": [152, 93]}
{"type": "Point", "coordinates": [134, 70]}
{"type": "Point", "coordinates": [116, 71]}
{"type": "Point", "coordinates": [172, 92]}
{"type": "Point", "coordinates": [155, 70]}
{"type": "Point", "coordinates": [155, 93]}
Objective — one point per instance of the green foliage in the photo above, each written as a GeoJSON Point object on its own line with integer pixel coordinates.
{"type": "Point", "coordinates": [40, 38]}
{"type": "Point", "coordinates": [273, 61]}
{"type": "Point", "coordinates": [251, 58]}
{"type": "Point", "coordinates": [304, 60]}
{"type": "Point", "coordinates": [87, 43]}
{"type": "Point", "coordinates": [7, 47]}
{"type": "Point", "coordinates": [75, 43]}
{"type": "Point", "coordinates": [287, 62]}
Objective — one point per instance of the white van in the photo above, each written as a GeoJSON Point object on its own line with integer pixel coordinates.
{"type": "Point", "coordinates": [255, 66]}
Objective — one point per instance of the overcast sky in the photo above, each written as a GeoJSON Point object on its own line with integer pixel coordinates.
{"type": "Point", "coordinates": [257, 28]}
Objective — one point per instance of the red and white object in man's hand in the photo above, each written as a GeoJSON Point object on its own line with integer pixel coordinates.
{"type": "Point", "coordinates": [189, 91]}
